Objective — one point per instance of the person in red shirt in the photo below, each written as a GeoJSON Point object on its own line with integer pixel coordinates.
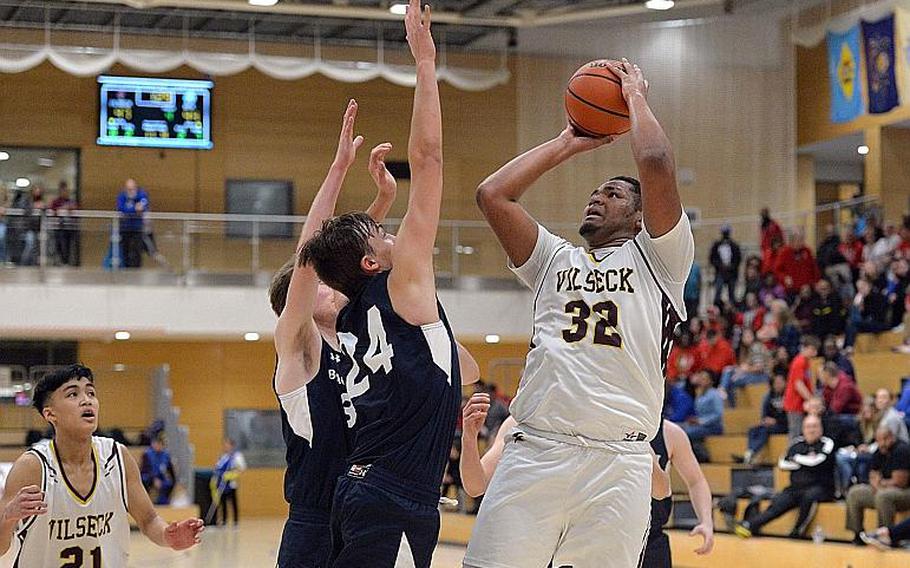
{"type": "Point", "coordinates": [795, 265]}
{"type": "Point", "coordinates": [800, 387]}
{"type": "Point", "coordinates": [770, 231]}
{"type": "Point", "coordinates": [852, 250]}
{"type": "Point", "coordinates": [841, 395]}
{"type": "Point", "coordinates": [684, 359]}
{"type": "Point", "coordinates": [716, 352]}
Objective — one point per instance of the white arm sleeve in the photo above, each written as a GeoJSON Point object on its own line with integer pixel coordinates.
{"type": "Point", "coordinates": [296, 405]}
{"type": "Point", "coordinates": [532, 270]}
{"type": "Point", "coordinates": [672, 253]}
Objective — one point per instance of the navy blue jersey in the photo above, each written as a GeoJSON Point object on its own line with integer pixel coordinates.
{"type": "Point", "coordinates": [405, 386]}
{"type": "Point", "coordinates": [661, 509]}
{"type": "Point", "coordinates": [317, 436]}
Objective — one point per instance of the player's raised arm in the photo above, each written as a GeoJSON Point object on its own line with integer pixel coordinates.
{"type": "Point", "coordinates": [386, 186]}
{"type": "Point", "coordinates": [470, 370]}
{"type": "Point", "coordinates": [498, 194]}
{"type": "Point", "coordinates": [22, 497]}
{"type": "Point", "coordinates": [296, 331]}
{"type": "Point", "coordinates": [178, 535]}
{"type": "Point", "coordinates": [683, 459]}
{"type": "Point", "coordinates": [412, 284]}
{"type": "Point", "coordinates": [653, 154]}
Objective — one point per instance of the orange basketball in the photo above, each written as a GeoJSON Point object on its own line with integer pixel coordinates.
{"type": "Point", "coordinates": [594, 101]}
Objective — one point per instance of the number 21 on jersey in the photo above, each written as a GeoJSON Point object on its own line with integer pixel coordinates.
{"type": "Point", "coordinates": [378, 355]}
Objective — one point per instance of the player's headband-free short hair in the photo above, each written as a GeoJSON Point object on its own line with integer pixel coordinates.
{"type": "Point", "coordinates": [335, 252]}
{"type": "Point", "coordinates": [279, 286]}
{"type": "Point", "coordinates": [52, 381]}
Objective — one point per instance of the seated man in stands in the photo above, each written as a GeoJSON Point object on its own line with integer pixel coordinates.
{"type": "Point", "coordinates": [754, 367]}
{"type": "Point", "coordinates": [888, 490]}
{"type": "Point", "coordinates": [833, 354]}
{"type": "Point", "coordinates": [810, 461]}
{"type": "Point", "coordinates": [773, 420]}
{"type": "Point", "coordinates": [158, 472]}
{"type": "Point", "coordinates": [709, 410]}
{"type": "Point", "coordinates": [841, 395]}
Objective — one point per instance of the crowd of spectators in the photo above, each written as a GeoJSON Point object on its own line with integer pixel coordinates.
{"type": "Point", "coordinates": [788, 317]}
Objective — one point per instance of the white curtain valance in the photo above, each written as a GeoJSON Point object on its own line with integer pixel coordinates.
{"type": "Point", "coordinates": [810, 36]}
{"type": "Point", "coordinates": [16, 58]}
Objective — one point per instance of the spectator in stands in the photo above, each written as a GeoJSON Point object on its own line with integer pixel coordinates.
{"type": "Point", "coordinates": [752, 279]}
{"type": "Point", "coordinates": [692, 290]}
{"type": "Point", "coordinates": [725, 257]}
{"type": "Point", "coordinates": [66, 233]}
{"type": "Point", "coordinates": [895, 292]}
{"type": "Point", "coordinates": [867, 314]}
{"type": "Point", "coordinates": [888, 490]}
{"type": "Point", "coordinates": [132, 202]}
{"type": "Point", "coordinates": [810, 461]}
{"type": "Point", "coordinates": [795, 265]}
{"type": "Point", "coordinates": [903, 404]}
{"type": "Point", "coordinates": [679, 404]}
{"type": "Point", "coordinates": [852, 250]}
{"type": "Point", "coordinates": [771, 236]}
{"type": "Point", "coordinates": [802, 309]}
{"type": "Point", "coordinates": [716, 352]}
{"type": "Point", "coordinates": [709, 409]}
{"type": "Point", "coordinates": [853, 461]}
{"type": "Point", "coordinates": [29, 224]}
{"type": "Point", "coordinates": [684, 359]}
{"type": "Point", "coordinates": [878, 247]}
{"type": "Point", "coordinates": [800, 384]}
{"type": "Point", "coordinates": [225, 480]}
{"type": "Point", "coordinates": [829, 316]}
{"type": "Point", "coordinates": [3, 225]}
{"type": "Point", "coordinates": [773, 421]}
{"type": "Point", "coordinates": [840, 393]}
{"type": "Point", "coordinates": [770, 290]}
{"type": "Point", "coordinates": [832, 354]}
{"type": "Point", "coordinates": [754, 368]}
{"type": "Point", "coordinates": [157, 471]}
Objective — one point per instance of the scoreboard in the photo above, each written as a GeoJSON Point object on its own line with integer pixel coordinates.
{"type": "Point", "coordinates": [155, 113]}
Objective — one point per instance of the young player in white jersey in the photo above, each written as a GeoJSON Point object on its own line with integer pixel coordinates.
{"type": "Point", "coordinates": [66, 501]}
{"type": "Point", "coordinates": [574, 487]}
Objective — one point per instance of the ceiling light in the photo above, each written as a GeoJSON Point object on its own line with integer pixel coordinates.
{"type": "Point", "coordinates": [492, 338]}
{"type": "Point", "coordinates": [119, 367]}
{"type": "Point", "coordinates": [23, 182]}
{"type": "Point", "coordinates": [862, 150]}
{"type": "Point", "coordinates": [121, 335]}
{"type": "Point", "coordinates": [46, 162]}
{"type": "Point", "coordinates": [251, 336]}
{"type": "Point", "coordinates": [4, 156]}
{"type": "Point", "coordinates": [659, 4]}
{"type": "Point", "coordinates": [398, 9]}
{"type": "Point", "coordinates": [262, 2]}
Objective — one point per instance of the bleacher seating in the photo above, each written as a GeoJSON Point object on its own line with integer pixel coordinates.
{"type": "Point", "coordinates": [876, 367]}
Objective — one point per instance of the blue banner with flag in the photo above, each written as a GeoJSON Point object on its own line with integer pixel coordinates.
{"type": "Point", "coordinates": [881, 79]}
{"type": "Point", "coordinates": [843, 74]}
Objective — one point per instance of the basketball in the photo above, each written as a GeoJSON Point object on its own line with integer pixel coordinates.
{"type": "Point", "coordinates": [594, 101]}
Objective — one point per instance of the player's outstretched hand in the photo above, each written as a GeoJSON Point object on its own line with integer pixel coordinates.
{"type": "Point", "coordinates": [184, 534]}
{"type": "Point", "coordinates": [578, 143]}
{"type": "Point", "coordinates": [707, 533]}
{"type": "Point", "coordinates": [382, 177]}
{"type": "Point", "coordinates": [27, 503]}
{"type": "Point", "coordinates": [417, 25]}
{"type": "Point", "coordinates": [347, 143]}
{"type": "Point", "coordinates": [475, 414]}
{"type": "Point", "coordinates": [633, 80]}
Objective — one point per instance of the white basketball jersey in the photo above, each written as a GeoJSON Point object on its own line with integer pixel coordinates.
{"type": "Point", "coordinates": [90, 531]}
{"type": "Point", "coordinates": [603, 325]}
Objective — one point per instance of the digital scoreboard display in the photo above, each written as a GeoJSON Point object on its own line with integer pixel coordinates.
{"type": "Point", "coordinates": [155, 113]}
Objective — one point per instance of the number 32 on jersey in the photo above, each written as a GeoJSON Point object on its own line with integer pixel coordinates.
{"type": "Point", "coordinates": [378, 355]}
{"type": "Point", "coordinates": [606, 319]}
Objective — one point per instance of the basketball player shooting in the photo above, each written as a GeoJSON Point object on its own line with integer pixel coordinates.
{"type": "Point", "coordinates": [308, 372]}
{"type": "Point", "coordinates": [406, 368]}
{"type": "Point", "coordinates": [574, 485]}
{"type": "Point", "coordinates": [66, 501]}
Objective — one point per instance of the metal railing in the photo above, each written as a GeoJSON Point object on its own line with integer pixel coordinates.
{"type": "Point", "coordinates": [186, 244]}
